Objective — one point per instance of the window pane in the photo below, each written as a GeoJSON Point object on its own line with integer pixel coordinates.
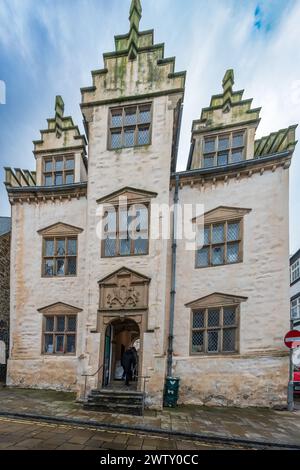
{"type": "Point", "coordinates": [59, 344]}
{"type": "Point", "coordinates": [141, 246]}
{"type": "Point", "coordinates": [213, 341]}
{"type": "Point", "coordinates": [237, 156]}
{"type": "Point", "coordinates": [69, 164]}
{"type": "Point", "coordinates": [60, 323]}
{"type": "Point", "coordinates": [72, 246]}
{"type": "Point", "coordinates": [218, 233]}
{"type": "Point", "coordinates": [49, 344]}
{"type": "Point", "coordinates": [58, 179]}
{"type": "Point", "coordinates": [110, 247]}
{"type": "Point", "coordinates": [145, 114]}
{"type": "Point", "coordinates": [125, 247]}
{"type": "Point", "coordinates": [233, 232]}
{"type": "Point", "coordinates": [206, 235]}
{"type": "Point", "coordinates": [48, 166]}
{"type": "Point", "coordinates": [72, 265]}
{"type": "Point", "coordinates": [69, 178]}
{"type": "Point", "coordinates": [49, 247]}
{"type": "Point", "coordinates": [72, 320]}
{"type": "Point", "coordinates": [71, 344]}
{"type": "Point", "coordinates": [48, 180]}
{"type": "Point", "coordinates": [144, 135]}
{"type": "Point", "coordinates": [223, 143]}
{"type": "Point", "coordinates": [217, 255]}
{"type": "Point", "coordinates": [209, 145]}
{"type": "Point", "coordinates": [129, 137]}
{"type": "Point", "coordinates": [213, 318]}
{"type": "Point", "coordinates": [48, 268]}
{"type": "Point", "coordinates": [209, 161]}
{"type": "Point", "coordinates": [229, 340]}
{"type": "Point", "coordinates": [116, 118]}
{"type": "Point", "coordinates": [130, 116]}
{"type": "Point", "coordinates": [110, 222]}
{"type": "Point", "coordinates": [197, 342]}
{"type": "Point", "coordinates": [203, 257]}
{"type": "Point", "coordinates": [59, 164]}
{"type": "Point", "coordinates": [60, 247]}
{"type": "Point", "coordinates": [238, 140]}
{"type": "Point", "coordinates": [223, 158]}
{"type": "Point", "coordinates": [60, 267]}
{"type": "Point", "coordinates": [233, 252]}
{"type": "Point", "coordinates": [198, 319]}
{"type": "Point", "coordinates": [116, 139]}
{"type": "Point", "coordinates": [229, 316]}
{"type": "Point", "coordinates": [49, 324]}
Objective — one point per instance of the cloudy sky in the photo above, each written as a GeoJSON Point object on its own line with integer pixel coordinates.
{"type": "Point", "coordinates": [49, 47]}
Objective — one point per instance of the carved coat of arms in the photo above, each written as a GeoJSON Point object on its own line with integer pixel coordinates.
{"type": "Point", "coordinates": [123, 296]}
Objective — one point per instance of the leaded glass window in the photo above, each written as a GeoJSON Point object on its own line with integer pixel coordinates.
{"type": "Point", "coordinates": [215, 330]}
{"type": "Point", "coordinates": [130, 126]}
{"type": "Point", "coordinates": [58, 171]}
{"type": "Point", "coordinates": [222, 244]}
{"type": "Point", "coordinates": [126, 231]}
{"type": "Point", "coordinates": [221, 150]}
{"type": "Point", "coordinates": [59, 334]}
{"type": "Point", "coordinates": [60, 256]}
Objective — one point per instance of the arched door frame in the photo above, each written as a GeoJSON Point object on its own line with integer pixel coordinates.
{"type": "Point", "coordinates": [106, 320]}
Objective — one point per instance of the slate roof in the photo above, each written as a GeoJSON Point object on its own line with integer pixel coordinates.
{"type": "Point", "coordinates": [5, 225]}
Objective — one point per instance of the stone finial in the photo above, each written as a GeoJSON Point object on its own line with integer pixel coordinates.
{"type": "Point", "coordinates": [135, 14]}
{"type": "Point", "coordinates": [59, 114]}
{"type": "Point", "coordinates": [228, 80]}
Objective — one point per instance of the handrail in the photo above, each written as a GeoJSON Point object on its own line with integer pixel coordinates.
{"type": "Point", "coordinates": [93, 375]}
{"type": "Point", "coordinates": [89, 375]}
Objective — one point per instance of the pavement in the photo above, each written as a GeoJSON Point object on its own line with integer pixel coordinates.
{"type": "Point", "coordinates": [208, 425]}
{"type": "Point", "coordinates": [17, 434]}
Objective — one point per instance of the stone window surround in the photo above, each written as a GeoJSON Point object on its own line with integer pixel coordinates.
{"type": "Point", "coordinates": [216, 301]}
{"type": "Point", "coordinates": [217, 136]}
{"type": "Point", "coordinates": [59, 231]}
{"type": "Point", "coordinates": [56, 310]}
{"type": "Point", "coordinates": [224, 215]}
{"type": "Point", "coordinates": [133, 197]}
{"type": "Point", "coordinates": [64, 171]}
{"type": "Point", "coordinates": [137, 125]}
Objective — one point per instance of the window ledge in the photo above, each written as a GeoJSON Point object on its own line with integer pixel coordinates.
{"type": "Point", "coordinates": [219, 265]}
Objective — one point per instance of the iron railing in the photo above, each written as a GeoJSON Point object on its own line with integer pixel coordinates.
{"type": "Point", "coordinates": [85, 380]}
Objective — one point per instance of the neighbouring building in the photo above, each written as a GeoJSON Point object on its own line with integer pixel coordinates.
{"type": "Point", "coordinates": [5, 226]}
{"type": "Point", "coordinates": [295, 288]}
{"type": "Point", "coordinates": [217, 321]}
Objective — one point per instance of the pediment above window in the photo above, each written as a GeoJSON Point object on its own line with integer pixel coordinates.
{"type": "Point", "coordinates": [223, 213]}
{"type": "Point", "coordinates": [59, 308]}
{"type": "Point", "coordinates": [134, 196]}
{"type": "Point", "coordinates": [216, 300]}
{"type": "Point", "coordinates": [60, 229]}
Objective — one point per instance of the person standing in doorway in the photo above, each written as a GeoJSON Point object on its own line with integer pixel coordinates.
{"type": "Point", "coordinates": [128, 362]}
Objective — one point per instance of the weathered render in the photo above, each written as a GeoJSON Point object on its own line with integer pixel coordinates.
{"type": "Point", "coordinates": [124, 297]}
{"type": "Point", "coordinates": [5, 236]}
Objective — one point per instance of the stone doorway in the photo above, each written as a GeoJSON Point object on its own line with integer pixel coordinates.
{"type": "Point", "coordinates": [120, 334]}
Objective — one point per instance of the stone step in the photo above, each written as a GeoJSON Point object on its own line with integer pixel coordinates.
{"type": "Point", "coordinates": [114, 408]}
{"type": "Point", "coordinates": [115, 401]}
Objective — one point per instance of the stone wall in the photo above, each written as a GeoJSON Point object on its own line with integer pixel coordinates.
{"type": "Point", "coordinates": [30, 292]}
{"type": "Point", "coordinates": [4, 276]}
{"type": "Point", "coordinates": [258, 374]}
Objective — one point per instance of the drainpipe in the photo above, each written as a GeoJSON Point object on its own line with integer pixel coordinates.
{"type": "Point", "coordinates": [173, 281]}
{"type": "Point", "coordinates": [174, 252]}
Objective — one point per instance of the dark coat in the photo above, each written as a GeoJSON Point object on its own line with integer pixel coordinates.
{"type": "Point", "coordinates": [128, 360]}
